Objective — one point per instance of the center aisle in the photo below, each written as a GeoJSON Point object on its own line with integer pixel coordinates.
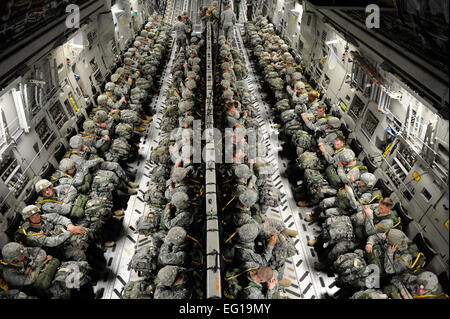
{"type": "Point", "coordinates": [307, 283]}
{"type": "Point", "coordinates": [119, 256]}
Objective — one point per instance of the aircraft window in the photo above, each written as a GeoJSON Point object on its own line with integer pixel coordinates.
{"type": "Point", "coordinates": [94, 65]}
{"type": "Point", "coordinates": [44, 133]}
{"type": "Point", "coordinates": [370, 124]}
{"type": "Point", "coordinates": [356, 108]}
{"type": "Point", "coordinates": [426, 194]}
{"type": "Point", "coordinates": [69, 108]}
{"type": "Point", "coordinates": [7, 166]}
{"type": "Point", "coordinates": [409, 194]}
{"type": "Point", "coordinates": [57, 114]}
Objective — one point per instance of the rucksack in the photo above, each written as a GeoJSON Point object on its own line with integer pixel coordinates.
{"type": "Point", "coordinates": [124, 130]}
{"type": "Point", "coordinates": [129, 117]}
{"type": "Point", "coordinates": [155, 194]}
{"type": "Point", "coordinates": [338, 228]}
{"type": "Point", "coordinates": [144, 261]}
{"type": "Point", "coordinates": [288, 115]}
{"type": "Point", "coordinates": [104, 181]}
{"type": "Point", "coordinates": [350, 266]}
{"type": "Point", "coordinates": [141, 289]}
{"type": "Point", "coordinates": [148, 223]}
{"type": "Point", "coordinates": [77, 211]}
{"type": "Point", "coordinates": [70, 275]}
{"type": "Point", "coordinates": [120, 147]}
{"type": "Point", "coordinates": [310, 160]}
{"type": "Point", "coordinates": [333, 177]}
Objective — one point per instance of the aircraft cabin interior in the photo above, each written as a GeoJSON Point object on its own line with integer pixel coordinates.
{"type": "Point", "coordinates": [229, 149]}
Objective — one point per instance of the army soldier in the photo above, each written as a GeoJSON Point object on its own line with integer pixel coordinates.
{"type": "Point", "coordinates": [68, 174]}
{"type": "Point", "coordinates": [55, 199]}
{"type": "Point", "coordinates": [339, 146]}
{"type": "Point", "coordinates": [173, 283]}
{"type": "Point", "coordinates": [113, 103]}
{"type": "Point", "coordinates": [79, 156]}
{"type": "Point", "coordinates": [345, 202]}
{"type": "Point", "coordinates": [424, 285]}
{"type": "Point", "coordinates": [244, 254]}
{"type": "Point", "coordinates": [177, 213]}
{"type": "Point", "coordinates": [376, 219]}
{"type": "Point", "coordinates": [52, 230]}
{"type": "Point", "coordinates": [256, 279]}
{"type": "Point", "coordinates": [22, 265]}
{"type": "Point", "coordinates": [228, 20]}
{"type": "Point", "coordinates": [188, 23]}
{"type": "Point", "coordinates": [181, 30]}
{"type": "Point", "coordinates": [214, 17]}
{"type": "Point", "coordinates": [203, 18]}
{"type": "Point", "coordinates": [177, 251]}
{"type": "Point", "coordinates": [237, 5]}
{"type": "Point", "coordinates": [96, 143]}
{"type": "Point", "coordinates": [395, 253]}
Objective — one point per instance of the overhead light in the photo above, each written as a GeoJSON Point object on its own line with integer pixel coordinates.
{"type": "Point", "coordinates": [332, 42]}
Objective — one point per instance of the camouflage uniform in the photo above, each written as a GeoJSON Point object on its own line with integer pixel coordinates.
{"type": "Point", "coordinates": [406, 285]}
{"type": "Point", "coordinates": [13, 271]}
{"type": "Point", "coordinates": [166, 289]}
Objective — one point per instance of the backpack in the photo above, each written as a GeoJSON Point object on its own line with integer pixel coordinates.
{"type": "Point", "coordinates": [120, 147]}
{"type": "Point", "coordinates": [288, 115]}
{"type": "Point", "coordinates": [44, 280]}
{"type": "Point", "coordinates": [302, 139]}
{"type": "Point", "coordinates": [104, 181]}
{"type": "Point", "coordinates": [333, 177]}
{"type": "Point", "coordinates": [70, 275]}
{"type": "Point", "coordinates": [160, 155]}
{"type": "Point", "coordinates": [338, 228]}
{"type": "Point", "coordinates": [144, 261]}
{"type": "Point", "coordinates": [350, 267]}
{"type": "Point", "coordinates": [310, 160]}
{"type": "Point", "coordinates": [78, 206]}
{"type": "Point", "coordinates": [124, 130]}
{"type": "Point", "coordinates": [141, 289]}
{"type": "Point", "coordinates": [155, 195]}
{"type": "Point", "coordinates": [129, 117]}
{"type": "Point", "coordinates": [148, 223]}
{"type": "Point", "coordinates": [98, 207]}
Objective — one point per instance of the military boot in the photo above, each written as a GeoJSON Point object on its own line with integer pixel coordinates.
{"type": "Point", "coordinates": [132, 184]}
{"type": "Point", "coordinates": [290, 232]}
{"type": "Point", "coordinates": [304, 203]}
{"type": "Point", "coordinates": [320, 265]}
{"type": "Point", "coordinates": [139, 129]}
{"type": "Point", "coordinates": [131, 191]}
{"type": "Point", "coordinates": [312, 242]}
{"type": "Point", "coordinates": [311, 218]}
{"type": "Point", "coordinates": [284, 282]}
{"type": "Point", "coordinates": [118, 212]}
{"type": "Point", "coordinates": [110, 243]}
